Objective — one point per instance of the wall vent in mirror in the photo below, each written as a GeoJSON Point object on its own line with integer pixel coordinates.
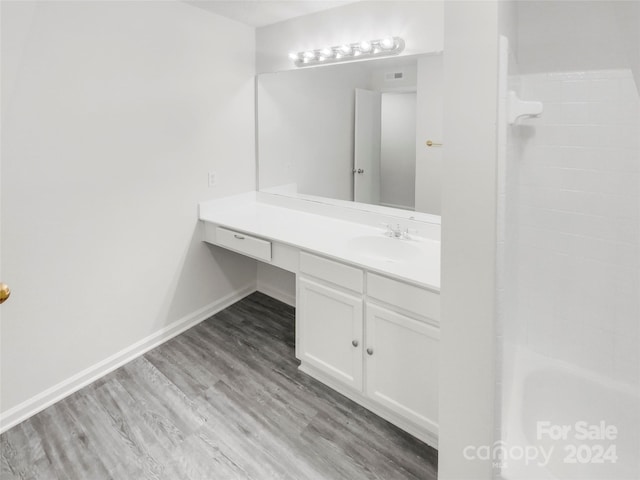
{"type": "Point", "coordinates": [349, 51]}
{"type": "Point", "coordinates": [391, 76]}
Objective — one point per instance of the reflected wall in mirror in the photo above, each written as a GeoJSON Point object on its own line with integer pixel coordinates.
{"type": "Point", "coordinates": [354, 132]}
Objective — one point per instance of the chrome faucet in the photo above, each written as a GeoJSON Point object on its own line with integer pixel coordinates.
{"type": "Point", "coordinates": [396, 232]}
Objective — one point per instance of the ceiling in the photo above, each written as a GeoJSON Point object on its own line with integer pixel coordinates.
{"type": "Point", "coordinates": [258, 13]}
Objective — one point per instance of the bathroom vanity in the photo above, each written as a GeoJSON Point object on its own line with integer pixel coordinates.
{"type": "Point", "coordinates": [367, 304]}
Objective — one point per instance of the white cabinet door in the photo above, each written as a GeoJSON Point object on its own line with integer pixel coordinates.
{"type": "Point", "coordinates": [402, 365]}
{"type": "Point", "coordinates": [330, 323]}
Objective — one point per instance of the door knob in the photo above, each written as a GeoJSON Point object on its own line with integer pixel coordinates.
{"type": "Point", "coordinates": [5, 292]}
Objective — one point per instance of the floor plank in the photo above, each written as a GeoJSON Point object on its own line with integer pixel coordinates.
{"type": "Point", "coordinates": [224, 400]}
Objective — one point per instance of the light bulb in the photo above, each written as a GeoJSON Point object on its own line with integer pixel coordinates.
{"type": "Point", "coordinates": [365, 46]}
{"type": "Point", "coordinates": [387, 43]}
{"type": "Point", "coordinates": [384, 46]}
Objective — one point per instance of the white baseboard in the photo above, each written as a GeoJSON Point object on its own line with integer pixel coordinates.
{"type": "Point", "coordinates": [428, 436]}
{"type": "Point", "coordinates": [284, 297]}
{"type": "Point", "coordinates": [39, 402]}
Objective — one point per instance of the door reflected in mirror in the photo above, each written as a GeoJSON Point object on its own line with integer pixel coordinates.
{"type": "Point", "coordinates": [354, 132]}
{"type": "Point", "coordinates": [385, 148]}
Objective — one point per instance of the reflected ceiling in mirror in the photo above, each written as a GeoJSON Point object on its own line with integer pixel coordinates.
{"type": "Point", "coordinates": [348, 132]}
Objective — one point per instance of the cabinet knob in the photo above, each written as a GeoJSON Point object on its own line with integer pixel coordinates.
{"type": "Point", "coordinates": [355, 343]}
{"type": "Point", "coordinates": [370, 351]}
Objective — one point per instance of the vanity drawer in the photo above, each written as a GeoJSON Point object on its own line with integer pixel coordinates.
{"type": "Point", "coordinates": [334, 272]}
{"type": "Point", "coordinates": [243, 243]}
{"type": "Point", "coordinates": [407, 297]}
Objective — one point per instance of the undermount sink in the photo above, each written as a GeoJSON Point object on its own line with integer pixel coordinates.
{"type": "Point", "coordinates": [387, 249]}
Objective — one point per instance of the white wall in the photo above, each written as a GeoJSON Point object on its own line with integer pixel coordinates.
{"type": "Point", "coordinates": [576, 35]}
{"type": "Point", "coordinates": [419, 23]}
{"type": "Point", "coordinates": [112, 115]}
{"type": "Point", "coordinates": [467, 335]}
{"type": "Point", "coordinates": [628, 20]}
{"type": "Point", "coordinates": [408, 68]}
{"type": "Point", "coordinates": [508, 143]}
{"type": "Point", "coordinates": [429, 126]}
{"type": "Point", "coordinates": [277, 283]}
{"type": "Point", "coordinates": [398, 150]}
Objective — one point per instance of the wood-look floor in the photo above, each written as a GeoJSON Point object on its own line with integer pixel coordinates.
{"type": "Point", "coordinates": [224, 400]}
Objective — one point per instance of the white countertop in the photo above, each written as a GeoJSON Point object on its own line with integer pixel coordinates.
{"type": "Point", "coordinates": [326, 236]}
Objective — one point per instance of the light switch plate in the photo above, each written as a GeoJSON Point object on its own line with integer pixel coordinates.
{"type": "Point", "coordinates": [213, 179]}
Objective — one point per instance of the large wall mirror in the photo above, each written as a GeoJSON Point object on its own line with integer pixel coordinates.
{"type": "Point", "coordinates": [354, 132]}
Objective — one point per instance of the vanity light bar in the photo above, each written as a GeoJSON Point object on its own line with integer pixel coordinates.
{"type": "Point", "coordinates": [349, 51]}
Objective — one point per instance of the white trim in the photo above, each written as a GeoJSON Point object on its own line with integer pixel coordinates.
{"type": "Point", "coordinates": [42, 400]}
{"type": "Point", "coordinates": [399, 90]}
{"type": "Point", "coordinates": [393, 205]}
{"type": "Point", "coordinates": [421, 433]}
{"type": "Point", "coordinates": [277, 293]}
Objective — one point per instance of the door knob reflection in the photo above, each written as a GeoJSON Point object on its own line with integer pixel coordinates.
{"type": "Point", "coordinates": [5, 292]}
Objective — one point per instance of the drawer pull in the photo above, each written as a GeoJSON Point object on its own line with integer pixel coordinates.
{"type": "Point", "coordinates": [244, 243]}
